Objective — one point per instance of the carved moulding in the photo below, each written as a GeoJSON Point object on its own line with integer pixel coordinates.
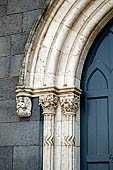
{"type": "Point", "coordinates": [69, 140]}
{"type": "Point", "coordinates": [49, 140]}
{"type": "Point", "coordinates": [69, 99]}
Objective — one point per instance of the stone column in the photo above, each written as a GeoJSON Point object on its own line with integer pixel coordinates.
{"type": "Point", "coordinates": [69, 107]}
{"type": "Point", "coordinates": [49, 105]}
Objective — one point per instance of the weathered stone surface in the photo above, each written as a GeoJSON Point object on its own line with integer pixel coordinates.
{"type": "Point", "coordinates": [15, 65]}
{"type": "Point", "coordinates": [26, 158]}
{"type": "Point", "coordinates": [4, 46]}
{"type": "Point", "coordinates": [2, 2]}
{"type": "Point", "coordinates": [21, 133]}
{"type": "Point", "coordinates": [41, 3]}
{"type": "Point", "coordinates": [8, 111]}
{"type": "Point", "coordinates": [29, 19]}
{"type": "Point", "coordinates": [36, 115]}
{"type": "Point", "coordinates": [4, 66]}
{"type": "Point", "coordinates": [2, 10]}
{"type": "Point", "coordinates": [7, 88]}
{"type": "Point", "coordinates": [6, 154]}
{"type": "Point", "coordinates": [15, 6]}
{"type": "Point", "coordinates": [10, 24]}
{"type": "Point", "coordinates": [18, 43]}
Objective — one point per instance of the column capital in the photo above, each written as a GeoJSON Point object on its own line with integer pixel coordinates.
{"type": "Point", "coordinates": [70, 103]}
{"type": "Point", "coordinates": [49, 103]}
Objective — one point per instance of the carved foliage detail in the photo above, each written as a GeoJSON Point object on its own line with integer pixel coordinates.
{"type": "Point", "coordinates": [23, 106]}
{"type": "Point", "coordinates": [49, 103]}
{"type": "Point", "coordinates": [70, 104]}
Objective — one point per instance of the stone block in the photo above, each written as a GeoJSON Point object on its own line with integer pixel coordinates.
{"type": "Point", "coordinates": [36, 113]}
{"type": "Point", "coordinates": [16, 6]}
{"type": "Point", "coordinates": [20, 133]}
{"type": "Point", "coordinates": [15, 65]}
{"type": "Point", "coordinates": [4, 66]}
{"type": "Point", "coordinates": [26, 158]}
{"type": "Point", "coordinates": [2, 10]}
{"type": "Point", "coordinates": [6, 154]}
{"type": "Point", "coordinates": [18, 43]}
{"type": "Point", "coordinates": [10, 24]}
{"type": "Point", "coordinates": [7, 88]}
{"type": "Point", "coordinates": [29, 19]}
{"type": "Point", "coordinates": [8, 111]}
{"type": "Point", "coordinates": [4, 46]}
{"type": "Point", "coordinates": [3, 2]}
{"type": "Point", "coordinates": [42, 3]}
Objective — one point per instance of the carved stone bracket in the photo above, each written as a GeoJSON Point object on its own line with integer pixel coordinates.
{"type": "Point", "coordinates": [70, 104]}
{"type": "Point", "coordinates": [49, 103]}
{"type": "Point", "coordinates": [23, 106]}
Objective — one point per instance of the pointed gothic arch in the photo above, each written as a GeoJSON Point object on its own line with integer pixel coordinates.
{"type": "Point", "coordinates": [51, 69]}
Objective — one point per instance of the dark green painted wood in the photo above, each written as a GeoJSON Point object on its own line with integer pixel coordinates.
{"type": "Point", "coordinates": [97, 104]}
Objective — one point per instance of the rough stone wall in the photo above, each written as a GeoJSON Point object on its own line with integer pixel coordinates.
{"type": "Point", "coordinates": [20, 139]}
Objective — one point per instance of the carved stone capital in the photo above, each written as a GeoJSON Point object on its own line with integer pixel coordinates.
{"type": "Point", "coordinates": [23, 106]}
{"type": "Point", "coordinates": [49, 103]}
{"type": "Point", "coordinates": [70, 104]}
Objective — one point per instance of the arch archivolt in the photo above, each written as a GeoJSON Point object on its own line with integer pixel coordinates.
{"type": "Point", "coordinates": [52, 68]}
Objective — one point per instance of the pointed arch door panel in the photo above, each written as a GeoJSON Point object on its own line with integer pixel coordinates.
{"type": "Point", "coordinates": [97, 106]}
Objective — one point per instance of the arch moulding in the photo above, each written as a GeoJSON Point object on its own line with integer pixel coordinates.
{"type": "Point", "coordinates": [51, 70]}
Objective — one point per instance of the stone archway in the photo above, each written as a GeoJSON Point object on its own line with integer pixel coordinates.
{"type": "Point", "coordinates": [51, 69]}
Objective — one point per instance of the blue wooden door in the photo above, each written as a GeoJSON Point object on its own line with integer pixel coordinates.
{"type": "Point", "coordinates": [97, 104]}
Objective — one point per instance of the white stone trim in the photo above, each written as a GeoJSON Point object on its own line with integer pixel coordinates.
{"type": "Point", "coordinates": [69, 106]}
{"type": "Point", "coordinates": [49, 104]}
{"type": "Point", "coordinates": [58, 51]}
{"type": "Point", "coordinates": [53, 65]}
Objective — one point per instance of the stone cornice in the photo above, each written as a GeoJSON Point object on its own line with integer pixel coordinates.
{"type": "Point", "coordinates": [48, 97]}
{"type": "Point", "coordinates": [33, 92]}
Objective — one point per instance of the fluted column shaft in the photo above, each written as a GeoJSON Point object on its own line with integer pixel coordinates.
{"type": "Point", "coordinates": [49, 105]}
{"type": "Point", "coordinates": [69, 107]}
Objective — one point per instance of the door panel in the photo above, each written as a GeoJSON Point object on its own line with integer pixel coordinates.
{"type": "Point", "coordinates": [97, 129]}
{"type": "Point", "coordinates": [98, 167]}
{"type": "Point", "coordinates": [97, 81]}
{"type": "Point", "coordinates": [97, 105]}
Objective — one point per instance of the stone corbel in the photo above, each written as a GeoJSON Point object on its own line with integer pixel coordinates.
{"type": "Point", "coordinates": [23, 106]}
